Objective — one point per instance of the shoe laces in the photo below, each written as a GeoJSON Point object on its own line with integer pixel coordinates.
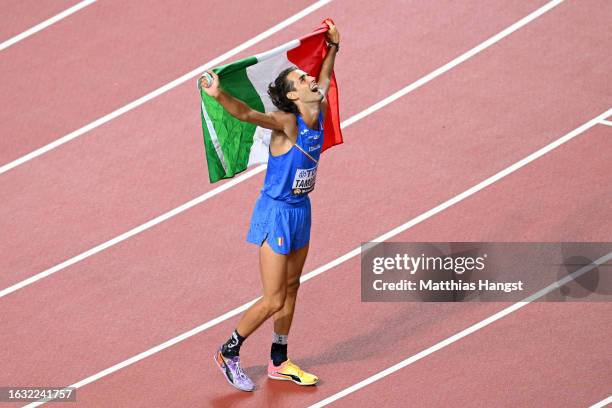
{"type": "Point", "coordinates": [241, 373]}
{"type": "Point", "coordinates": [296, 367]}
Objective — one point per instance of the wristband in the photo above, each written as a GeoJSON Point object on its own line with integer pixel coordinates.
{"type": "Point", "coordinates": [333, 44]}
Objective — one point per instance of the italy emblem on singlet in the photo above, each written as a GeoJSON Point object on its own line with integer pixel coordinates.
{"type": "Point", "coordinates": [304, 180]}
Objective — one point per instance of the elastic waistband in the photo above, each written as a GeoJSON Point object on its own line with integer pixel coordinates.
{"type": "Point", "coordinates": [284, 204]}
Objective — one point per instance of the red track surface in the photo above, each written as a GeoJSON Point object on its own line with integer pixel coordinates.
{"type": "Point", "coordinates": [20, 15]}
{"type": "Point", "coordinates": [531, 88]}
{"type": "Point", "coordinates": [151, 160]}
{"type": "Point", "coordinates": [111, 53]}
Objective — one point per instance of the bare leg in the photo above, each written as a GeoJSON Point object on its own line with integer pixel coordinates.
{"type": "Point", "coordinates": [273, 268]}
{"type": "Point", "coordinates": [295, 264]}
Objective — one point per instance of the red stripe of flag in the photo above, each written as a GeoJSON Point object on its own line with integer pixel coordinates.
{"type": "Point", "coordinates": [309, 58]}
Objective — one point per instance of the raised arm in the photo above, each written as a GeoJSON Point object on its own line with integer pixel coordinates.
{"type": "Point", "coordinates": [242, 111]}
{"type": "Point", "coordinates": [333, 39]}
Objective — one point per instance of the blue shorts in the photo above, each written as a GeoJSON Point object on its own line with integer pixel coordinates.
{"type": "Point", "coordinates": [286, 226]}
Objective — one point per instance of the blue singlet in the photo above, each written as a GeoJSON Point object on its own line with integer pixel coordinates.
{"type": "Point", "coordinates": [291, 176]}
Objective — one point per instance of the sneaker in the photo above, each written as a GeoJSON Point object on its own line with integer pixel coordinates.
{"type": "Point", "coordinates": [289, 371]}
{"type": "Point", "coordinates": [231, 369]}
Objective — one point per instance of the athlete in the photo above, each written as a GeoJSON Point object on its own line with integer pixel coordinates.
{"type": "Point", "coordinates": [280, 224]}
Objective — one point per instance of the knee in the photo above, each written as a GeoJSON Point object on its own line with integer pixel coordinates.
{"type": "Point", "coordinates": [273, 304]}
{"type": "Point", "coordinates": [292, 287]}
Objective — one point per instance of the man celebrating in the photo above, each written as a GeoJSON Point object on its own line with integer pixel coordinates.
{"type": "Point", "coordinates": [280, 224]}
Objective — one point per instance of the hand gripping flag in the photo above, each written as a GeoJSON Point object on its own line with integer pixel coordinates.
{"type": "Point", "coordinates": [232, 145]}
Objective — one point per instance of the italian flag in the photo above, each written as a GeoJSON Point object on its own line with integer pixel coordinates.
{"type": "Point", "coordinates": [231, 145]}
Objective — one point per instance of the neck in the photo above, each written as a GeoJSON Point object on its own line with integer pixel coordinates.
{"type": "Point", "coordinates": [310, 114]}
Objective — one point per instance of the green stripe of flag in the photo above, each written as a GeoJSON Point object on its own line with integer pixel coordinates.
{"type": "Point", "coordinates": [234, 137]}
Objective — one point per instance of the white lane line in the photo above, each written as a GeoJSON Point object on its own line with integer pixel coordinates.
{"type": "Point", "coordinates": [602, 403]}
{"type": "Point", "coordinates": [132, 232]}
{"type": "Point", "coordinates": [41, 26]}
{"type": "Point", "coordinates": [463, 333]}
{"type": "Point", "coordinates": [351, 254]}
{"type": "Point", "coordinates": [355, 118]}
{"type": "Point", "coordinates": [462, 58]}
{"type": "Point", "coordinates": [606, 122]}
{"type": "Point", "coordinates": [163, 89]}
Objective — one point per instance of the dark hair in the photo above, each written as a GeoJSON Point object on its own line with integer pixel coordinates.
{"type": "Point", "coordinates": [278, 92]}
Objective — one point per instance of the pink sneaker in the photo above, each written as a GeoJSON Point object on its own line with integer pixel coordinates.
{"type": "Point", "coordinates": [289, 371]}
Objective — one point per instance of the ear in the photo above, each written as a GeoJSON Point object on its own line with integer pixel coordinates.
{"type": "Point", "coordinates": [292, 95]}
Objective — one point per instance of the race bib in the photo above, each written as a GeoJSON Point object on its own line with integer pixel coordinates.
{"type": "Point", "coordinates": [304, 180]}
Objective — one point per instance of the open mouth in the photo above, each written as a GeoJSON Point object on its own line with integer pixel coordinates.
{"type": "Point", "coordinates": [314, 87]}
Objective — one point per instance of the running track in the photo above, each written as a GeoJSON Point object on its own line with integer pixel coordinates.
{"type": "Point", "coordinates": [522, 93]}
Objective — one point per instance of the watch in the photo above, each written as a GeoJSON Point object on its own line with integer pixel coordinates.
{"type": "Point", "coordinates": [333, 44]}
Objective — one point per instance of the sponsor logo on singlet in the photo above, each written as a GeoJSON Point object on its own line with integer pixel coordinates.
{"type": "Point", "coordinates": [304, 180]}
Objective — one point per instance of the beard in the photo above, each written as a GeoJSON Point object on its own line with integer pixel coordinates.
{"type": "Point", "coordinates": [312, 96]}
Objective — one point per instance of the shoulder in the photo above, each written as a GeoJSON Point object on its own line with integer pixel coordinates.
{"type": "Point", "coordinates": [287, 120]}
